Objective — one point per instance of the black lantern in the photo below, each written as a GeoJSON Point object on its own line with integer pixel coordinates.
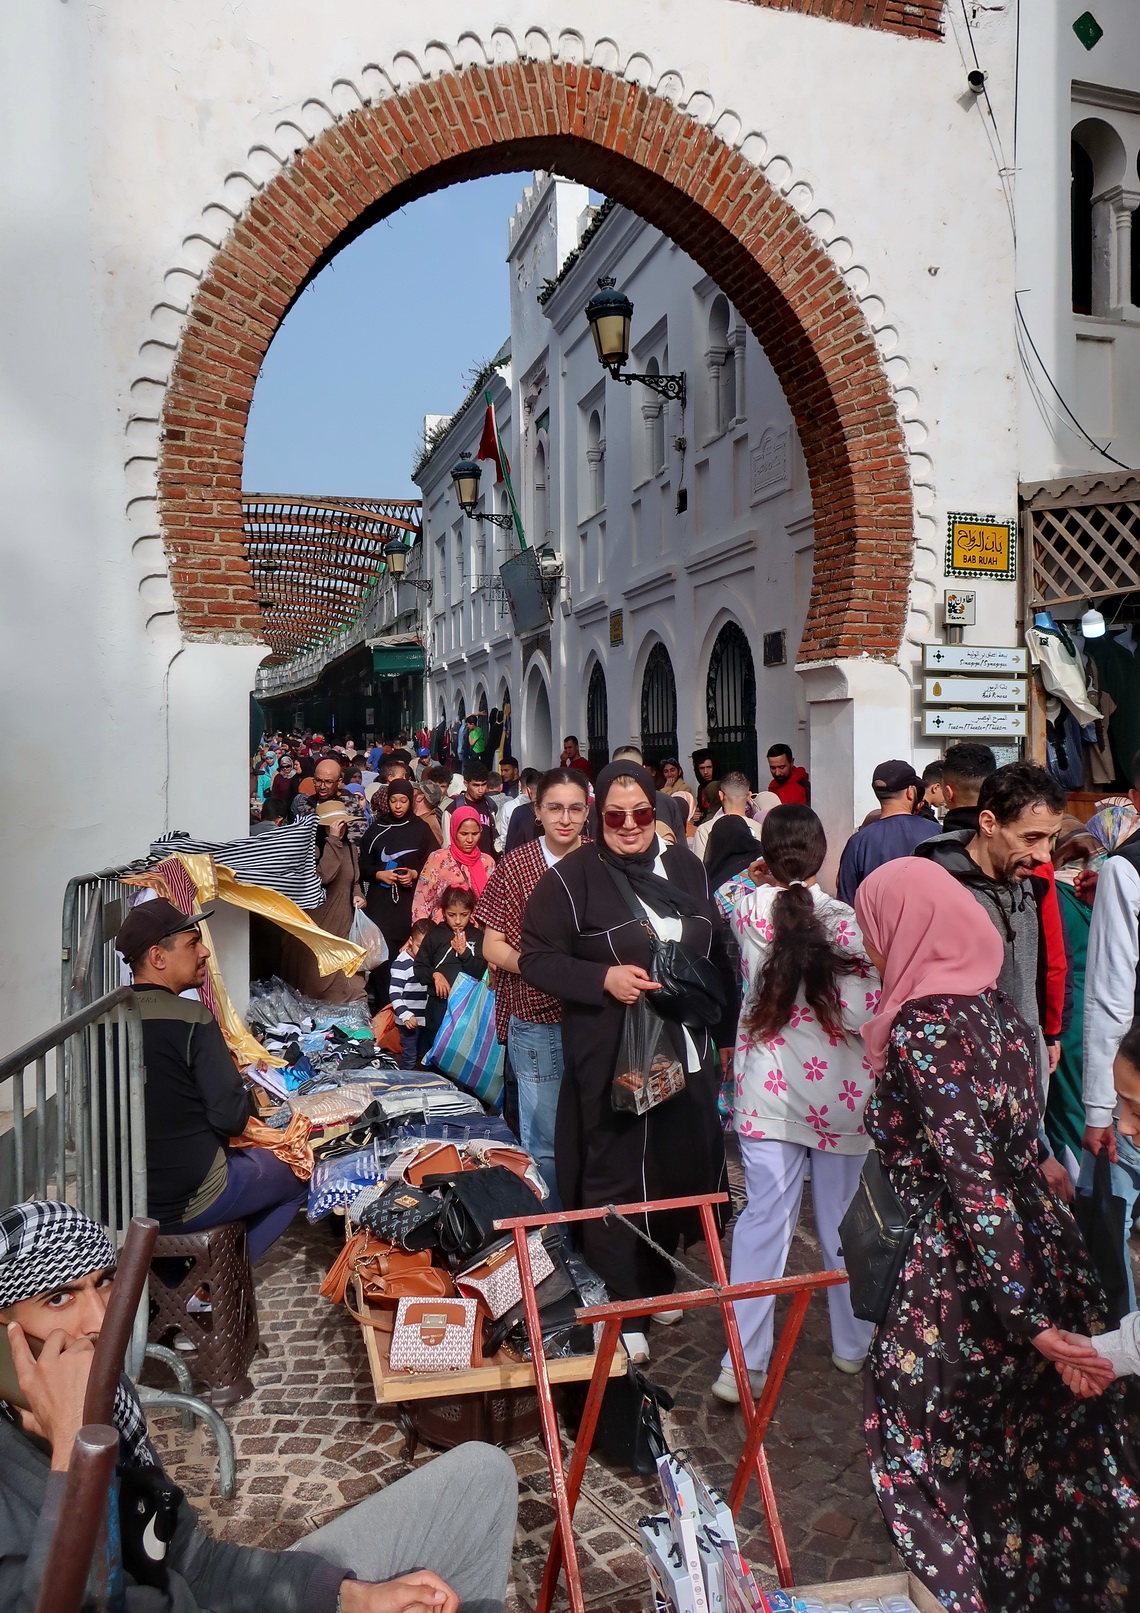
{"type": "Point", "coordinates": [396, 555]}
{"type": "Point", "coordinates": [610, 313]}
{"type": "Point", "coordinates": [465, 475]}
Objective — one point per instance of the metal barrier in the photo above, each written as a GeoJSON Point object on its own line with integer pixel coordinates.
{"type": "Point", "coordinates": [78, 1127]}
{"type": "Point", "coordinates": [94, 906]}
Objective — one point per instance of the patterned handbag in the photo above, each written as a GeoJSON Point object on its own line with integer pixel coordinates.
{"type": "Point", "coordinates": [435, 1336]}
{"type": "Point", "coordinates": [465, 1048]}
{"type": "Point", "coordinates": [404, 1215]}
{"type": "Point", "coordinates": [494, 1279]}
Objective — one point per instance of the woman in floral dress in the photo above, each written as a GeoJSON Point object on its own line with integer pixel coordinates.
{"type": "Point", "coordinates": [1005, 1491]}
{"type": "Point", "coordinates": [801, 1079]}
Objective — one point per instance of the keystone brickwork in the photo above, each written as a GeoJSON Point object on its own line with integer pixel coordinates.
{"type": "Point", "coordinates": [620, 139]}
{"type": "Point", "coordinates": [919, 19]}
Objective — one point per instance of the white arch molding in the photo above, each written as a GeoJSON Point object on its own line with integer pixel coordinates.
{"type": "Point", "coordinates": [376, 82]}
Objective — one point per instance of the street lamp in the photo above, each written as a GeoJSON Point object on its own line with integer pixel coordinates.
{"type": "Point", "coordinates": [465, 475]}
{"type": "Point", "coordinates": [396, 557]}
{"type": "Point", "coordinates": [610, 314]}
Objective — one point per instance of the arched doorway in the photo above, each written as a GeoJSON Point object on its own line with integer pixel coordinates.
{"type": "Point", "coordinates": [539, 736]}
{"type": "Point", "coordinates": [658, 707]}
{"type": "Point", "coordinates": [597, 720]}
{"type": "Point", "coordinates": [730, 704]}
{"type": "Point", "coordinates": [616, 135]}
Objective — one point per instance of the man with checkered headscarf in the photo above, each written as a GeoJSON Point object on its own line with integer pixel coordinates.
{"type": "Point", "coordinates": [457, 1512]}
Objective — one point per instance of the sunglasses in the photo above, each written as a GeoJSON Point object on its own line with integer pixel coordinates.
{"type": "Point", "coordinates": [615, 818]}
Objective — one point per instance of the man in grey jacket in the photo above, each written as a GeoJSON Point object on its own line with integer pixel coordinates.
{"type": "Point", "coordinates": [437, 1541]}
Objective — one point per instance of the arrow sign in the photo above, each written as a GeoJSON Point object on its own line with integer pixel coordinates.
{"type": "Point", "coordinates": [973, 658]}
{"type": "Point", "coordinates": [973, 724]}
{"type": "Point", "coordinates": [939, 691]}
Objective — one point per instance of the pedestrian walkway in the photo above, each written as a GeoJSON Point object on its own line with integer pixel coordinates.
{"type": "Point", "coordinates": [311, 1441]}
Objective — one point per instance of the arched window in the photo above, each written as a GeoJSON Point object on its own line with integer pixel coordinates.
{"type": "Point", "coordinates": [722, 367]}
{"type": "Point", "coordinates": [596, 462]}
{"type": "Point", "coordinates": [597, 720]}
{"type": "Point", "coordinates": [653, 414]}
{"type": "Point", "coordinates": [658, 707]}
{"type": "Point", "coordinates": [730, 704]}
{"type": "Point", "coordinates": [460, 707]}
{"type": "Point", "coordinates": [541, 503]}
{"type": "Point", "coordinates": [1082, 228]}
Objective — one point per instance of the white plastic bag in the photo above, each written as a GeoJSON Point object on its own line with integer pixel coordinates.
{"type": "Point", "coordinates": [368, 935]}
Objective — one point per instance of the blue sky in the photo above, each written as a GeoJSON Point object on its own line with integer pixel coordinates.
{"type": "Point", "coordinates": [392, 330]}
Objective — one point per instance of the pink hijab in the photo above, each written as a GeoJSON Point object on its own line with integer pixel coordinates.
{"type": "Point", "coordinates": [471, 860]}
{"type": "Point", "coordinates": [934, 937]}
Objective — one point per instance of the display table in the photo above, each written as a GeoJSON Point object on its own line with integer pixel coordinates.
{"type": "Point", "coordinates": [498, 1372]}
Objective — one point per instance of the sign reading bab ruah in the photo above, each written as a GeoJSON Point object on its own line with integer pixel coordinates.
{"type": "Point", "coordinates": [980, 546]}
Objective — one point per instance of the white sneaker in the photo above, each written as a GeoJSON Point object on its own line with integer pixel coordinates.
{"type": "Point", "coordinates": [842, 1364]}
{"type": "Point", "coordinates": [636, 1346]}
{"type": "Point", "coordinates": [725, 1386]}
{"type": "Point", "coordinates": [667, 1318]}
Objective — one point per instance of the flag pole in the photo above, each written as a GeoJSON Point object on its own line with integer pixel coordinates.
{"type": "Point", "coordinates": [506, 474]}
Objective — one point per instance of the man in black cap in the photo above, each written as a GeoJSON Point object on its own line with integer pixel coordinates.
{"type": "Point", "coordinates": [895, 833]}
{"type": "Point", "coordinates": [195, 1100]}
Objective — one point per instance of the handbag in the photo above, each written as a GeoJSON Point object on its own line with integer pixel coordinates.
{"type": "Point", "coordinates": [404, 1215]}
{"type": "Point", "coordinates": [558, 1300]}
{"type": "Point", "coordinates": [875, 1235]}
{"type": "Point", "coordinates": [493, 1278]}
{"type": "Point", "coordinates": [473, 1202]}
{"type": "Point", "coordinates": [466, 1049]}
{"type": "Point", "coordinates": [1100, 1214]}
{"type": "Point", "coordinates": [691, 990]}
{"type": "Point", "coordinates": [385, 1274]}
{"type": "Point", "coordinates": [430, 1336]}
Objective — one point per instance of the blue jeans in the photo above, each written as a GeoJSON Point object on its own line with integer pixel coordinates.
{"type": "Point", "coordinates": [536, 1058]}
{"type": "Point", "coordinates": [1126, 1185]}
{"type": "Point", "coordinates": [260, 1190]}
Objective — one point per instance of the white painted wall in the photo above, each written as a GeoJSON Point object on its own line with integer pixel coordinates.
{"type": "Point", "coordinates": [136, 134]}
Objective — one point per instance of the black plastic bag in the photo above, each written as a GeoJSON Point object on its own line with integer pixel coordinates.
{"type": "Point", "coordinates": [648, 1070]}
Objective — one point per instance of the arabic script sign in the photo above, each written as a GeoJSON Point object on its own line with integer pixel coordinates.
{"type": "Point", "coordinates": [980, 546]}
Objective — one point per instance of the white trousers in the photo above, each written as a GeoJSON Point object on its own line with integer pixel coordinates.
{"type": "Point", "coordinates": [761, 1239]}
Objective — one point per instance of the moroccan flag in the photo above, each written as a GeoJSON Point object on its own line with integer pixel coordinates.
{"type": "Point", "coordinates": [491, 447]}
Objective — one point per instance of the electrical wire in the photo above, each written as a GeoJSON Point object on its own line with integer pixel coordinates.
{"type": "Point", "coordinates": [1060, 399]}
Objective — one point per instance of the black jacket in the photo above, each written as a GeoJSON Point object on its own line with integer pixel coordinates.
{"type": "Point", "coordinates": [195, 1100]}
{"type": "Point", "coordinates": [437, 954]}
{"type": "Point", "coordinates": [205, 1575]}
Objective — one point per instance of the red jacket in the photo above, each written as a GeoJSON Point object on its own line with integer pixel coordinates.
{"type": "Point", "coordinates": [1055, 975]}
{"type": "Point", "coordinates": [795, 790]}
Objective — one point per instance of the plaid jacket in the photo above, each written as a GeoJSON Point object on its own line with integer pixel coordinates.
{"type": "Point", "coordinates": [501, 906]}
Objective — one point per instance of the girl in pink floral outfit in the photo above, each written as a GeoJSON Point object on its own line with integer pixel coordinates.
{"type": "Point", "coordinates": [801, 1079]}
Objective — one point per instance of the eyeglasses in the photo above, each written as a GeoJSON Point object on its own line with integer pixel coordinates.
{"type": "Point", "coordinates": [614, 818]}
{"type": "Point", "coordinates": [574, 813]}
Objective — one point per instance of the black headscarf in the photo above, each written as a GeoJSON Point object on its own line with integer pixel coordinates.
{"type": "Point", "coordinates": [664, 898]}
{"type": "Point", "coordinates": [731, 847]}
{"type": "Point", "coordinates": [400, 786]}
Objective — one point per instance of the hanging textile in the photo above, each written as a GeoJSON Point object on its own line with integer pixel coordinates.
{"type": "Point", "coordinates": [1062, 671]}
{"type": "Point", "coordinates": [284, 861]}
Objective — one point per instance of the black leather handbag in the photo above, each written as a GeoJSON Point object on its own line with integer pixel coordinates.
{"type": "Point", "coordinates": [874, 1237]}
{"type": "Point", "coordinates": [692, 992]}
{"type": "Point", "coordinates": [473, 1201]}
{"type": "Point", "coordinates": [406, 1216]}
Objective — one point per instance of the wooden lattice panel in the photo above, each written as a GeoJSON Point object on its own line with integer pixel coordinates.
{"type": "Point", "coordinates": [1084, 552]}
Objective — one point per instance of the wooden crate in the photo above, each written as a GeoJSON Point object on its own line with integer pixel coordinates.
{"type": "Point", "coordinates": [846, 1590]}
{"type": "Point", "coordinates": [499, 1372]}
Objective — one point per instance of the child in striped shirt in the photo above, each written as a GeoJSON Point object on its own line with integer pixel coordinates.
{"type": "Point", "coordinates": [408, 996]}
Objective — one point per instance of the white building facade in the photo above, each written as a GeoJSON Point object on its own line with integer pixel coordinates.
{"type": "Point", "coordinates": [682, 534]}
{"type": "Point", "coordinates": [179, 172]}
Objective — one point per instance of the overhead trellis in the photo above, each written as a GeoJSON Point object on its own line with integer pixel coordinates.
{"type": "Point", "coordinates": [315, 560]}
{"type": "Point", "coordinates": [1082, 535]}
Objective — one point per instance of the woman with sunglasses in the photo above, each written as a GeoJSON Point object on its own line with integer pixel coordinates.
{"type": "Point", "coordinates": [582, 943]}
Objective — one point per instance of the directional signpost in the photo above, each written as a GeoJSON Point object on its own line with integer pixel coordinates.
{"type": "Point", "coordinates": [990, 679]}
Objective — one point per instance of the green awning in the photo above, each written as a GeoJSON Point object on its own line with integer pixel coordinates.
{"type": "Point", "coordinates": [399, 658]}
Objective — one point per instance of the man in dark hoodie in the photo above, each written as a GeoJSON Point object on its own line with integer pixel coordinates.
{"type": "Point", "coordinates": [1003, 863]}
{"type": "Point", "coordinates": [965, 768]}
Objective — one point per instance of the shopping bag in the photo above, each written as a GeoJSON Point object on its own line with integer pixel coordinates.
{"type": "Point", "coordinates": [465, 1048]}
{"type": "Point", "coordinates": [363, 933]}
{"type": "Point", "coordinates": [648, 1071]}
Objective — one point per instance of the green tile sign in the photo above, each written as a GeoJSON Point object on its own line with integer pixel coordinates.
{"type": "Point", "coordinates": [1088, 30]}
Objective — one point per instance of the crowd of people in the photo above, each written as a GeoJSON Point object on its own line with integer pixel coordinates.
{"type": "Point", "coordinates": [963, 1010]}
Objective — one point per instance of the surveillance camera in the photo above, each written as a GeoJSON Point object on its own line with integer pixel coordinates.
{"type": "Point", "coordinates": [976, 80]}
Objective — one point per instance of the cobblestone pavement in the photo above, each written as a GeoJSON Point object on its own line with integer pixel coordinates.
{"type": "Point", "coordinates": [311, 1440]}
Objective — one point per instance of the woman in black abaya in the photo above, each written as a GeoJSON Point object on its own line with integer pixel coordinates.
{"type": "Point", "coordinates": [392, 856]}
{"type": "Point", "coordinates": [582, 944]}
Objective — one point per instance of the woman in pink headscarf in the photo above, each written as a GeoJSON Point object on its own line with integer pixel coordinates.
{"type": "Point", "coordinates": [461, 863]}
{"type": "Point", "coordinates": [1003, 1489]}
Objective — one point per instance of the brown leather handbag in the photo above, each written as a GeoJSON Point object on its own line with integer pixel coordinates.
{"type": "Point", "coordinates": [386, 1274]}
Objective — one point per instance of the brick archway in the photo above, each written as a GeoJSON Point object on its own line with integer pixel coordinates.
{"type": "Point", "coordinates": [619, 138]}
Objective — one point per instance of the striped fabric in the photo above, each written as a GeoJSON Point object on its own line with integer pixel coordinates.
{"type": "Point", "coordinates": [284, 861]}
{"type": "Point", "coordinates": [407, 994]}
